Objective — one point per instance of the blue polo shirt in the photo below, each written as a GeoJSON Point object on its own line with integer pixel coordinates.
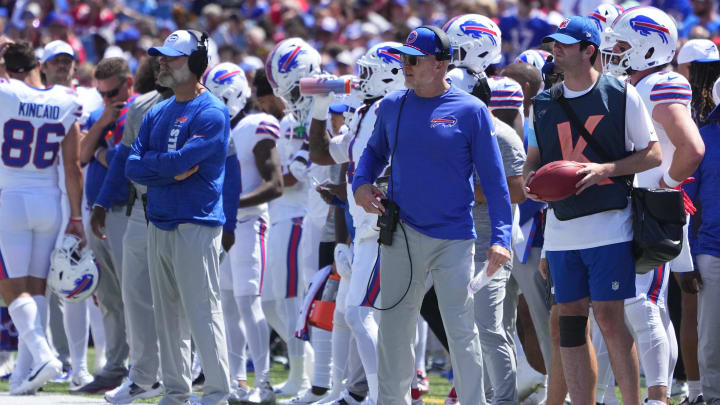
{"type": "Point", "coordinates": [173, 138]}
{"type": "Point", "coordinates": [440, 141]}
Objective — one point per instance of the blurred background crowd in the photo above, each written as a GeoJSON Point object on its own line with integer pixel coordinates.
{"type": "Point", "coordinates": [245, 31]}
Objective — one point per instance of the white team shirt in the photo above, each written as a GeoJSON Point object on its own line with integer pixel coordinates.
{"type": "Point", "coordinates": [348, 148]}
{"type": "Point", "coordinates": [612, 226]}
{"type": "Point", "coordinates": [662, 88]}
{"type": "Point", "coordinates": [34, 124]}
{"type": "Point", "coordinates": [505, 93]}
{"type": "Point", "coordinates": [245, 136]}
{"type": "Point", "coordinates": [293, 202]}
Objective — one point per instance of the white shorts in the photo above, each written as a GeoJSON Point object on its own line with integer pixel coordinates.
{"type": "Point", "coordinates": [29, 226]}
{"type": "Point", "coordinates": [247, 258]}
{"type": "Point", "coordinates": [363, 291]}
{"type": "Point", "coordinates": [646, 325]}
{"type": "Point", "coordinates": [283, 278]}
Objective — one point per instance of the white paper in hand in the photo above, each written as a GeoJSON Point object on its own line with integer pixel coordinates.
{"type": "Point", "coordinates": [480, 280]}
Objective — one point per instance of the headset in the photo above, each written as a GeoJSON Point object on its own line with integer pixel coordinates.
{"type": "Point", "coordinates": [198, 60]}
{"type": "Point", "coordinates": [446, 51]}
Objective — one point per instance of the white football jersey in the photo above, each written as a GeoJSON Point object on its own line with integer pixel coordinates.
{"type": "Point", "coordinates": [349, 148]}
{"type": "Point", "coordinates": [505, 94]}
{"type": "Point", "coordinates": [246, 134]}
{"type": "Point", "coordinates": [661, 88]}
{"type": "Point", "coordinates": [293, 201]}
{"type": "Point", "coordinates": [34, 124]}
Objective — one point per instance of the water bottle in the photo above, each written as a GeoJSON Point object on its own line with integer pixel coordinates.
{"type": "Point", "coordinates": [331, 288]}
{"type": "Point", "coordinates": [322, 85]}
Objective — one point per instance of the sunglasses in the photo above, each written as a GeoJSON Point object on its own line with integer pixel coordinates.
{"type": "Point", "coordinates": [411, 60]}
{"type": "Point", "coordinates": [112, 93]}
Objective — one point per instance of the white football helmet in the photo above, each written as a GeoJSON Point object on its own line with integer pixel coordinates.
{"type": "Point", "coordinates": [475, 39]}
{"type": "Point", "coordinates": [227, 82]}
{"type": "Point", "coordinates": [605, 14]}
{"type": "Point", "coordinates": [73, 276]}
{"type": "Point", "coordinates": [535, 57]}
{"type": "Point", "coordinates": [291, 60]}
{"type": "Point", "coordinates": [380, 71]}
{"type": "Point", "coordinates": [651, 35]}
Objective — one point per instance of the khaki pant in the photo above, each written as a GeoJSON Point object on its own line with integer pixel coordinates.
{"type": "Point", "coordinates": [184, 264]}
{"type": "Point", "coordinates": [451, 264]}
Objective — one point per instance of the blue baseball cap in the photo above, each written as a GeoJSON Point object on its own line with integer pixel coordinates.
{"type": "Point", "coordinates": [575, 29]}
{"type": "Point", "coordinates": [339, 108]}
{"type": "Point", "coordinates": [421, 41]}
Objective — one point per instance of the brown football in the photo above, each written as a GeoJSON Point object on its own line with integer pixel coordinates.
{"type": "Point", "coordinates": [556, 180]}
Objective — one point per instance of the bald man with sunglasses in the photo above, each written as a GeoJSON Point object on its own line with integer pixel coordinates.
{"type": "Point", "coordinates": [435, 135]}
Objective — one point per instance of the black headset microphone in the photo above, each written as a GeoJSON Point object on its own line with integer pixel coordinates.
{"type": "Point", "coordinates": [391, 218]}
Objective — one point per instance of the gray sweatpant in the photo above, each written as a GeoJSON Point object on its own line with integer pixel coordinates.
{"type": "Point", "coordinates": [537, 293]}
{"type": "Point", "coordinates": [108, 254]}
{"type": "Point", "coordinates": [709, 328]}
{"type": "Point", "coordinates": [184, 264]}
{"type": "Point", "coordinates": [137, 298]}
{"type": "Point", "coordinates": [497, 346]}
{"type": "Point", "coordinates": [451, 264]}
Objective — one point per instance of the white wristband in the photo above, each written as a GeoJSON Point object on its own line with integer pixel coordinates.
{"type": "Point", "coordinates": [670, 181]}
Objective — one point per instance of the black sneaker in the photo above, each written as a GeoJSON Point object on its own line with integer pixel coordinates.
{"type": "Point", "coordinates": [100, 384]}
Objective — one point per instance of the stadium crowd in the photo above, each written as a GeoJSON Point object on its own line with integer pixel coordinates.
{"type": "Point", "coordinates": [334, 183]}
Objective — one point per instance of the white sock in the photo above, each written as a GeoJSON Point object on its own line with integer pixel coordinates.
{"type": "Point", "coordinates": [361, 321]}
{"type": "Point", "coordinates": [257, 334]}
{"type": "Point", "coordinates": [654, 402]}
{"type": "Point", "coordinates": [42, 311]}
{"type": "Point", "coordinates": [235, 335]}
{"type": "Point", "coordinates": [24, 313]}
{"type": "Point", "coordinates": [341, 336]}
{"type": "Point", "coordinates": [322, 345]}
{"type": "Point", "coordinates": [23, 362]}
{"type": "Point", "coordinates": [372, 381]}
{"type": "Point", "coordinates": [694, 389]}
{"type": "Point", "coordinates": [77, 322]}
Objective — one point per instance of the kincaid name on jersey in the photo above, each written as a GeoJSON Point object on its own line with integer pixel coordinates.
{"type": "Point", "coordinates": [46, 111]}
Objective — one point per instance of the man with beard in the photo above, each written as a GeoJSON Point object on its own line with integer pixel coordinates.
{"type": "Point", "coordinates": [180, 156]}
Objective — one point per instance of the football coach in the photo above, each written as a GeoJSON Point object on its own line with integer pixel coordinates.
{"type": "Point", "coordinates": [180, 156]}
{"type": "Point", "coordinates": [434, 135]}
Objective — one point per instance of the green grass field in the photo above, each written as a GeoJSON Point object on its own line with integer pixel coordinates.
{"type": "Point", "coordinates": [439, 385]}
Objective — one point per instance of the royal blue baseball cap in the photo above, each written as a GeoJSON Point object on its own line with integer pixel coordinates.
{"type": "Point", "coordinates": [421, 41]}
{"type": "Point", "coordinates": [339, 108]}
{"type": "Point", "coordinates": [575, 29]}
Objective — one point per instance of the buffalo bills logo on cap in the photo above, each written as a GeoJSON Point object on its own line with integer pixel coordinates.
{"type": "Point", "coordinates": [172, 38]}
{"type": "Point", "coordinates": [477, 30]}
{"type": "Point", "coordinates": [645, 26]}
{"type": "Point", "coordinates": [564, 23]}
{"type": "Point", "coordinates": [289, 61]}
{"type": "Point", "coordinates": [384, 54]}
{"type": "Point", "coordinates": [447, 121]}
{"type": "Point", "coordinates": [224, 76]}
{"type": "Point", "coordinates": [412, 37]}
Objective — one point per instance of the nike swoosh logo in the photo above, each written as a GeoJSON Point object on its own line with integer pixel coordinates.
{"type": "Point", "coordinates": [32, 377]}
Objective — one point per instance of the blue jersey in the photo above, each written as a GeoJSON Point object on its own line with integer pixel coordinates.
{"type": "Point", "coordinates": [173, 138]}
{"type": "Point", "coordinates": [441, 140]}
{"type": "Point", "coordinates": [705, 192]}
{"type": "Point", "coordinates": [522, 34]}
{"type": "Point", "coordinates": [687, 25]}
